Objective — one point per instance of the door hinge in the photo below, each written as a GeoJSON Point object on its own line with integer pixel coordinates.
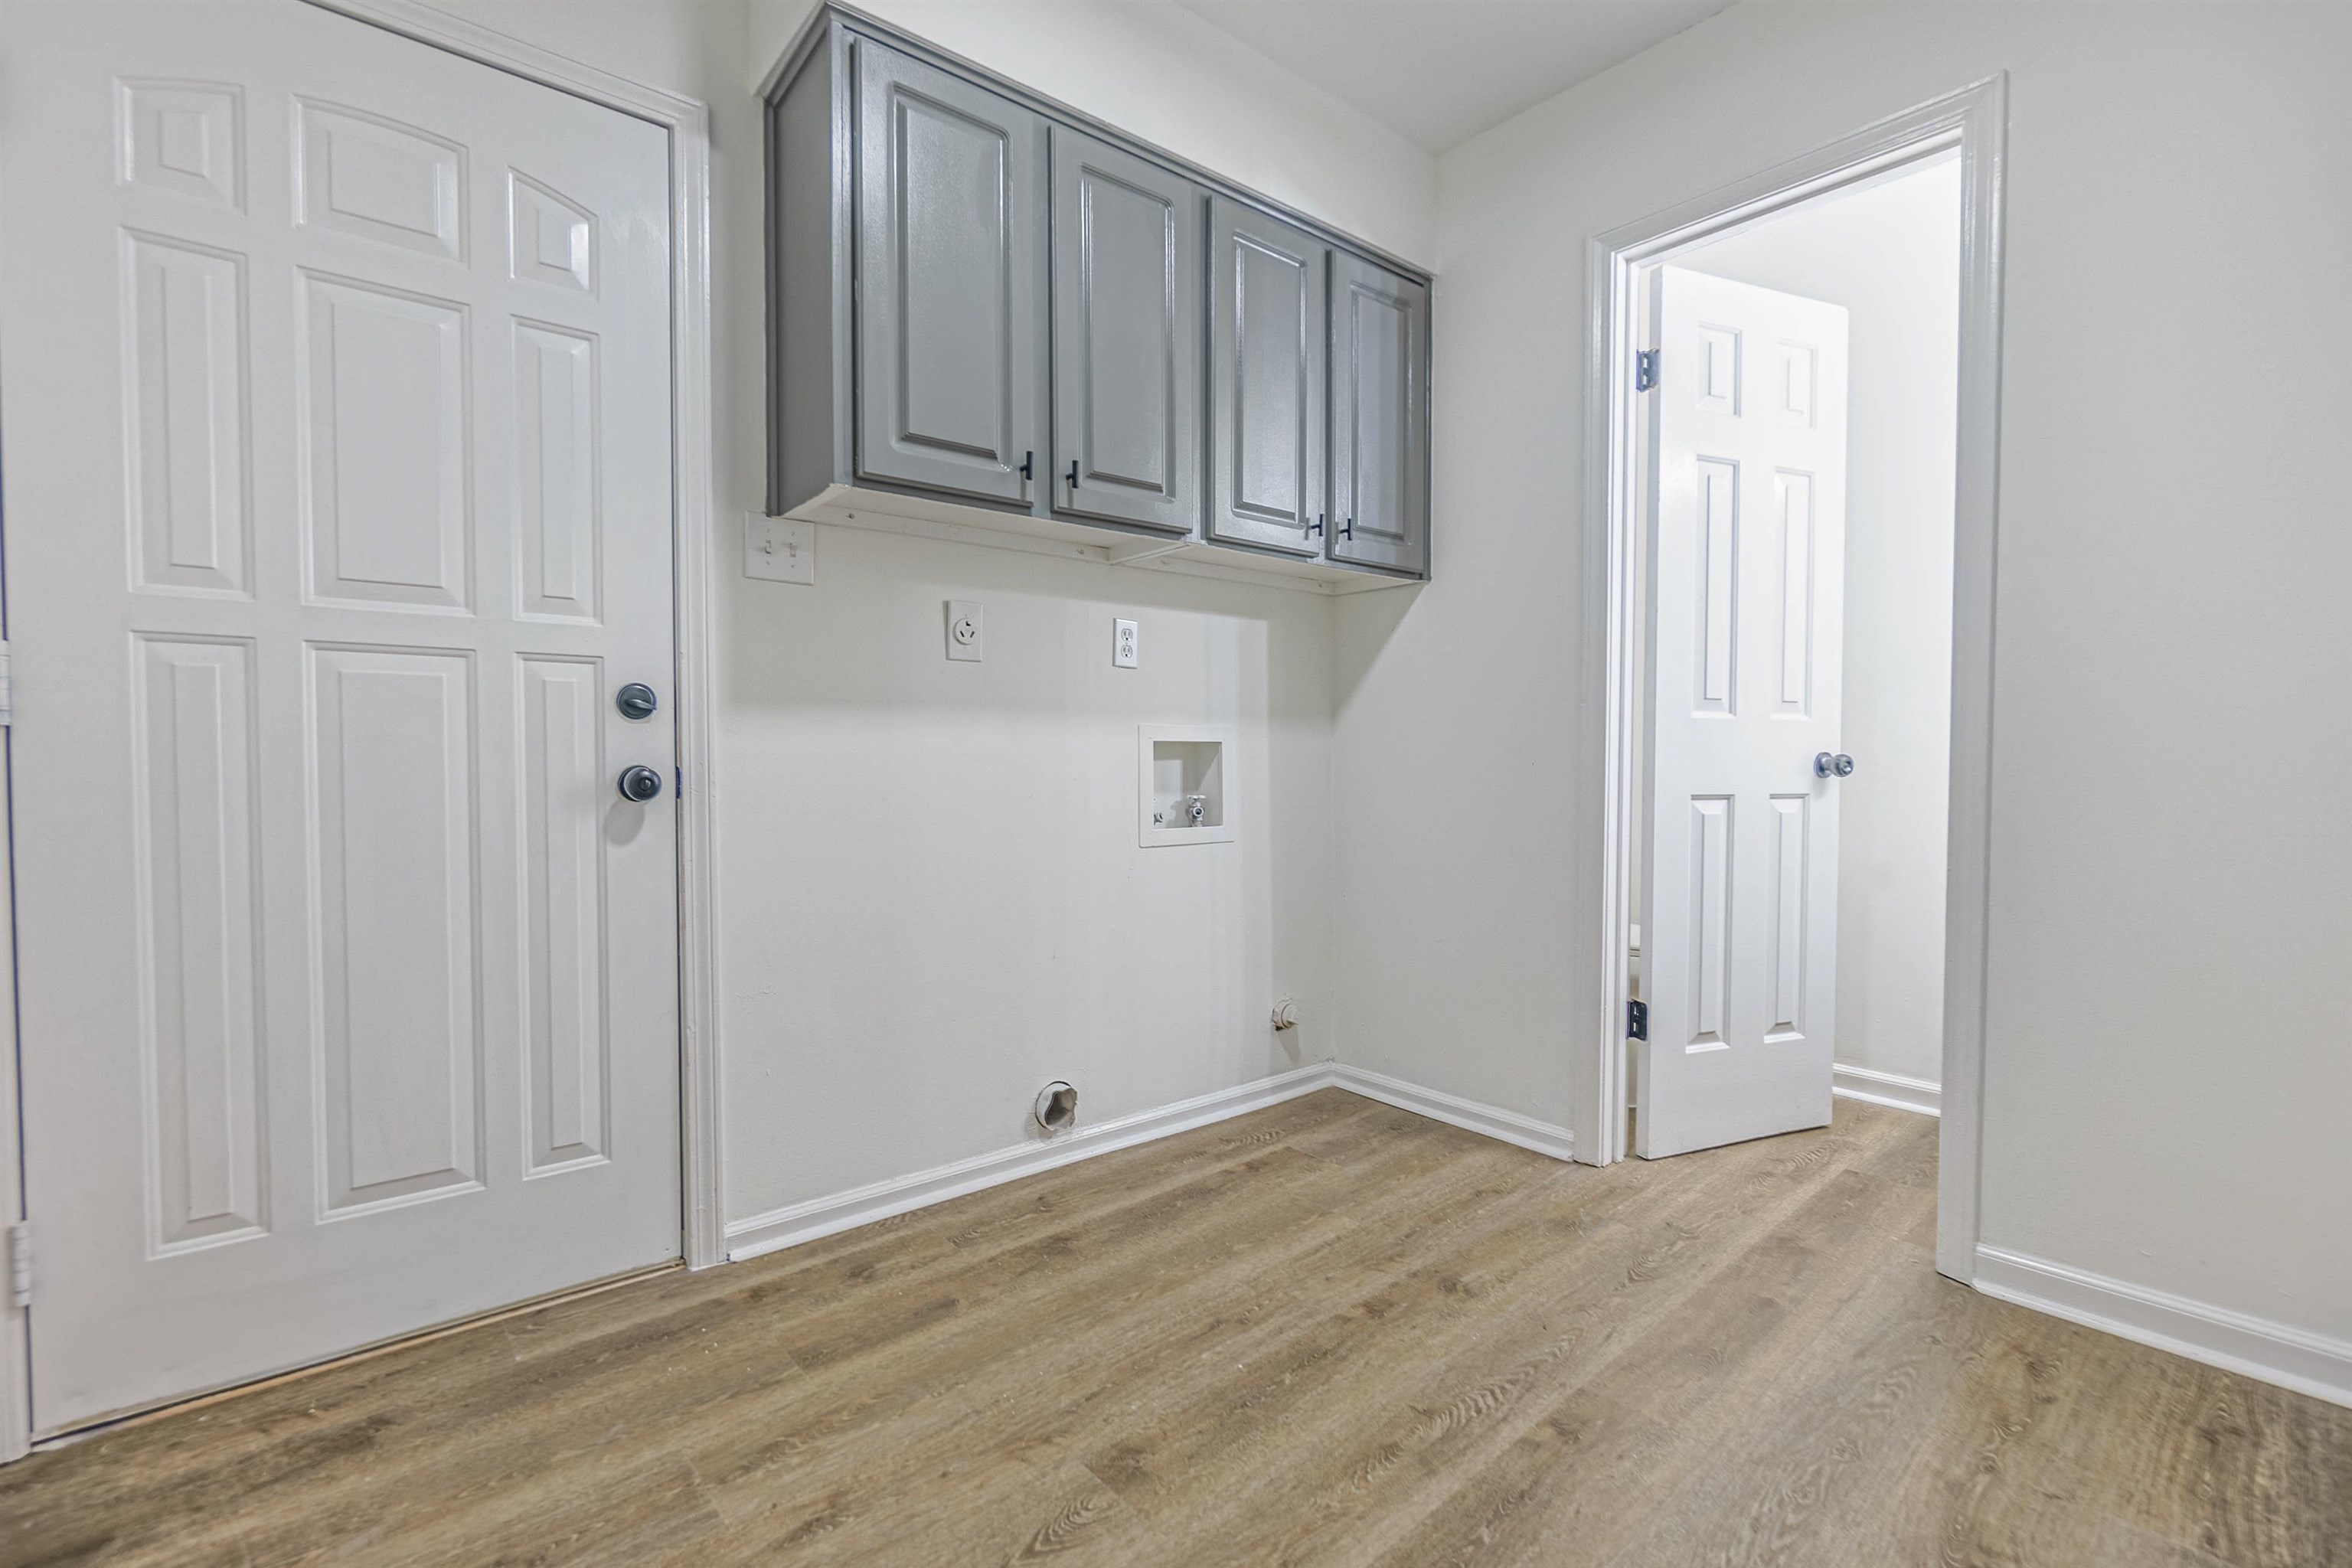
{"type": "Point", "coordinates": [7, 692]}
{"type": "Point", "coordinates": [1637, 1020]}
{"type": "Point", "coordinates": [1645, 369]}
{"type": "Point", "coordinates": [20, 1265]}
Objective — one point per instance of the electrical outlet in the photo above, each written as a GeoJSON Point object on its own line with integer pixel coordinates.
{"type": "Point", "coordinates": [779, 549]}
{"type": "Point", "coordinates": [1122, 643]}
{"type": "Point", "coordinates": [964, 628]}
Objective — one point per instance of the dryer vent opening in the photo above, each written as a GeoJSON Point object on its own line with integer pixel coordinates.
{"type": "Point", "coordinates": [1056, 1110]}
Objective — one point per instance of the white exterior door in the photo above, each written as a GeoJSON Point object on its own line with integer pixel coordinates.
{"type": "Point", "coordinates": [336, 410]}
{"type": "Point", "coordinates": [1747, 575]}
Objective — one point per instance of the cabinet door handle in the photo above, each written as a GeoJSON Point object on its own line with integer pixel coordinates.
{"type": "Point", "coordinates": [1028, 467]}
{"type": "Point", "coordinates": [1073, 473]}
{"type": "Point", "coordinates": [1348, 531]}
{"type": "Point", "coordinates": [1317, 526]}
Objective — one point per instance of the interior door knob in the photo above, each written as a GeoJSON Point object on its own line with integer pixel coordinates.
{"type": "Point", "coordinates": [1832, 765]}
{"type": "Point", "coordinates": [640, 784]}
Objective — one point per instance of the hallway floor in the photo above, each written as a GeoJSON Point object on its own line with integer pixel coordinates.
{"type": "Point", "coordinates": [1328, 1333]}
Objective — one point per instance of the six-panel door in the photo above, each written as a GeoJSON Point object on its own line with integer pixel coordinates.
{"type": "Point", "coordinates": [1746, 666]}
{"type": "Point", "coordinates": [951, 183]}
{"type": "Point", "coordinates": [1266, 358]}
{"type": "Point", "coordinates": [1380, 413]}
{"type": "Point", "coordinates": [1127, 337]}
{"type": "Point", "coordinates": [347, 984]}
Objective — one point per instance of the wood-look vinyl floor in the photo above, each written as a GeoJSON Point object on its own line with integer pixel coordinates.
{"type": "Point", "coordinates": [1326, 1334]}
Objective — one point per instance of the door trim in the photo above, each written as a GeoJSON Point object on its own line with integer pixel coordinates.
{"type": "Point", "coordinates": [16, 1342]}
{"type": "Point", "coordinates": [694, 556]}
{"type": "Point", "coordinates": [1975, 120]}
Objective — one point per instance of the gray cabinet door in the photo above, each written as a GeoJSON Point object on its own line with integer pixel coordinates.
{"type": "Point", "coordinates": [1265, 371]}
{"type": "Point", "coordinates": [1129, 275]}
{"type": "Point", "coordinates": [1379, 416]}
{"type": "Point", "coordinates": [951, 281]}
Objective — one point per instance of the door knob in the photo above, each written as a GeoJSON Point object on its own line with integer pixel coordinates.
{"type": "Point", "coordinates": [635, 700]}
{"type": "Point", "coordinates": [1832, 765]}
{"type": "Point", "coordinates": [639, 783]}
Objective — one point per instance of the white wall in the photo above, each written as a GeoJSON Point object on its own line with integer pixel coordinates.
{"type": "Point", "coordinates": [1889, 253]}
{"type": "Point", "coordinates": [936, 902]}
{"type": "Point", "coordinates": [2171, 888]}
{"type": "Point", "coordinates": [932, 900]}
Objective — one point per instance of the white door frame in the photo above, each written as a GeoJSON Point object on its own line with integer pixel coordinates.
{"type": "Point", "coordinates": [688, 122]}
{"type": "Point", "coordinates": [1975, 120]}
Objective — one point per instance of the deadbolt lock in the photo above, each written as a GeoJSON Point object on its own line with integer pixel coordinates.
{"type": "Point", "coordinates": [635, 700]}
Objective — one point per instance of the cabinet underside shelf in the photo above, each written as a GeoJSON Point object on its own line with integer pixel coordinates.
{"type": "Point", "coordinates": [922, 517]}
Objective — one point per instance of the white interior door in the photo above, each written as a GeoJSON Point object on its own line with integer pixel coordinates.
{"type": "Point", "coordinates": [1746, 570]}
{"type": "Point", "coordinates": [337, 467]}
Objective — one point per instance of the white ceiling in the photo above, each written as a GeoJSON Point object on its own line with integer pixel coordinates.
{"type": "Point", "coordinates": [1441, 71]}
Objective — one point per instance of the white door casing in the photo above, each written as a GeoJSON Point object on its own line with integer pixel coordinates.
{"type": "Point", "coordinates": [1747, 568]}
{"type": "Point", "coordinates": [339, 497]}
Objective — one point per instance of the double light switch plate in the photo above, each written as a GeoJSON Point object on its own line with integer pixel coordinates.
{"type": "Point", "coordinates": [779, 549]}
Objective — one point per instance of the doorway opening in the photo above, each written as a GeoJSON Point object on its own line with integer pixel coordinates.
{"type": "Point", "coordinates": [1797, 508]}
{"type": "Point", "coordinates": [1794, 412]}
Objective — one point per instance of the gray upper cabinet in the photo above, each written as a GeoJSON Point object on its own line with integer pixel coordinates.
{"type": "Point", "coordinates": [993, 317]}
{"type": "Point", "coordinates": [1266, 357]}
{"type": "Point", "coordinates": [1127, 377]}
{"type": "Point", "coordinates": [951, 183]}
{"type": "Point", "coordinates": [1379, 416]}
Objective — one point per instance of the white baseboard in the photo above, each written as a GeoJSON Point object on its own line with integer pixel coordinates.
{"type": "Point", "coordinates": [806, 1221]}
{"type": "Point", "coordinates": [2293, 1358]}
{"type": "Point", "coordinates": [1886, 1089]}
{"type": "Point", "coordinates": [1508, 1125]}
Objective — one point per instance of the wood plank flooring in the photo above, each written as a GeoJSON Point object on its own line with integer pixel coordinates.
{"type": "Point", "coordinates": [1328, 1333]}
